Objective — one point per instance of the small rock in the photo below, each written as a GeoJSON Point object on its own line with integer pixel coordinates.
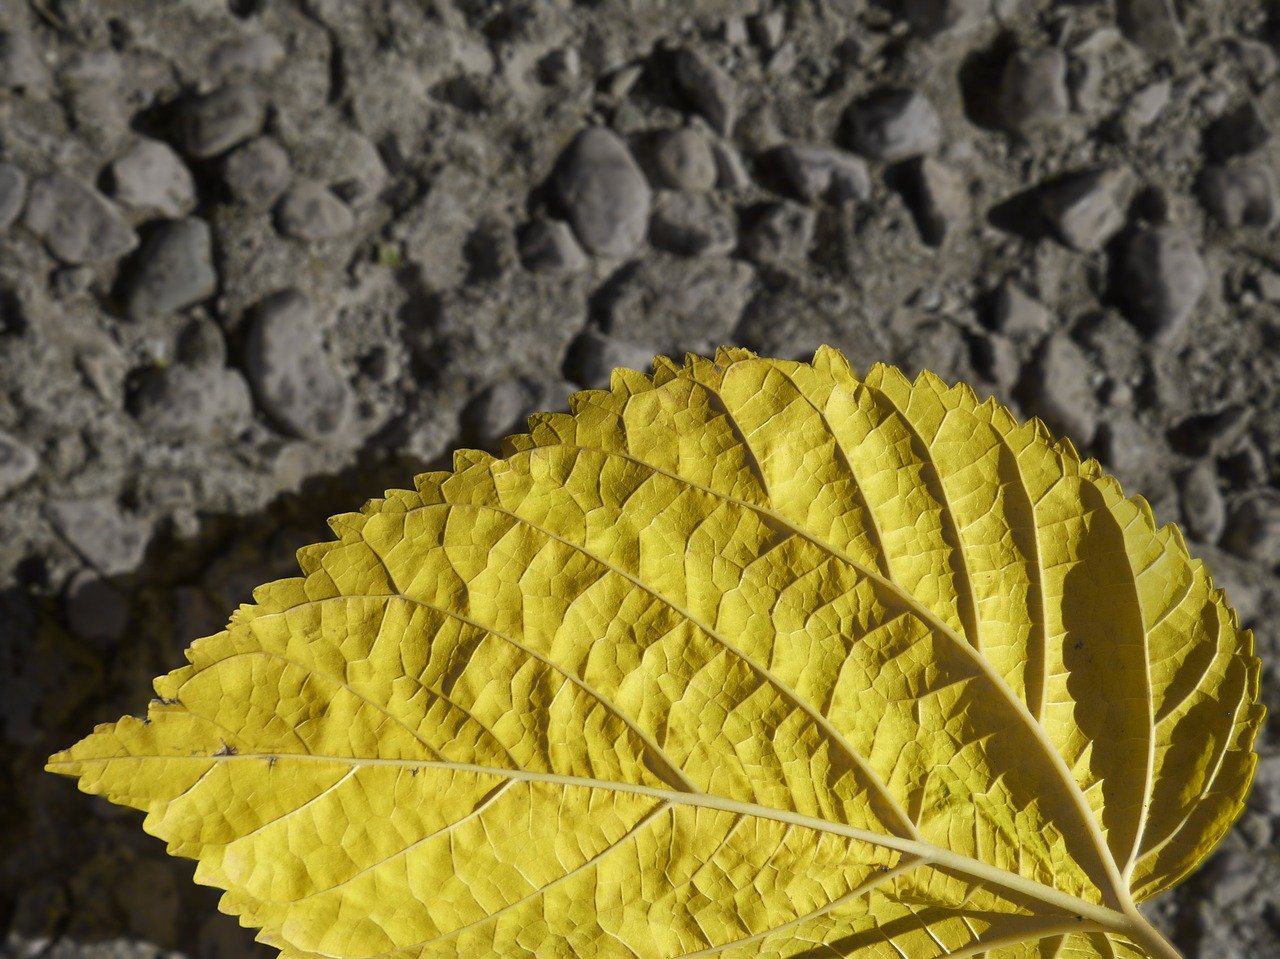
{"type": "Point", "coordinates": [1061, 394]}
{"type": "Point", "coordinates": [110, 540]}
{"type": "Point", "coordinates": [173, 270]}
{"type": "Point", "coordinates": [217, 121]}
{"type": "Point", "coordinates": [1162, 279]}
{"type": "Point", "coordinates": [181, 402]}
{"type": "Point", "coordinates": [781, 234]}
{"type": "Point", "coordinates": [359, 175]}
{"type": "Point", "coordinates": [77, 223]}
{"type": "Point", "coordinates": [1203, 510]}
{"type": "Point", "coordinates": [1033, 89]}
{"type": "Point", "coordinates": [708, 88]}
{"type": "Point", "coordinates": [1231, 877]}
{"type": "Point", "coordinates": [592, 356]}
{"type": "Point", "coordinates": [18, 463]}
{"type": "Point", "coordinates": [1253, 532]}
{"type": "Point", "coordinates": [1086, 75]}
{"type": "Point", "coordinates": [682, 160]}
{"type": "Point", "coordinates": [201, 343]}
{"type": "Point", "coordinates": [731, 172]}
{"type": "Point", "coordinates": [13, 193]}
{"type": "Point", "coordinates": [1017, 314]}
{"type": "Point", "coordinates": [997, 359]}
{"type": "Point", "coordinates": [1087, 209]}
{"type": "Point", "coordinates": [291, 372]}
{"type": "Point", "coordinates": [257, 54]}
{"type": "Point", "coordinates": [1256, 58]}
{"type": "Point", "coordinates": [69, 282]}
{"type": "Point", "coordinates": [497, 410]}
{"type": "Point", "coordinates": [311, 213]}
{"type": "Point", "coordinates": [768, 29]}
{"type": "Point", "coordinates": [258, 173]}
{"type": "Point", "coordinates": [1213, 435]}
{"type": "Point", "coordinates": [151, 177]}
{"type": "Point", "coordinates": [1238, 131]}
{"type": "Point", "coordinates": [549, 245]}
{"type": "Point", "coordinates": [560, 67]}
{"type": "Point", "coordinates": [1267, 283]}
{"type": "Point", "coordinates": [94, 609]}
{"type": "Point", "coordinates": [1151, 24]}
{"type": "Point", "coordinates": [21, 68]}
{"type": "Point", "coordinates": [604, 193]}
{"type": "Point", "coordinates": [931, 17]}
{"type": "Point", "coordinates": [823, 173]}
{"type": "Point", "coordinates": [939, 199]}
{"type": "Point", "coordinates": [692, 225]}
{"type": "Point", "coordinates": [1128, 449]}
{"type": "Point", "coordinates": [893, 125]}
{"type": "Point", "coordinates": [1239, 194]}
{"type": "Point", "coordinates": [1145, 106]}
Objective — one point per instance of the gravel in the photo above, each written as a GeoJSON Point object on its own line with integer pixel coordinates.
{"type": "Point", "coordinates": [257, 173]}
{"type": "Point", "coordinates": [549, 245]}
{"type": "Point", "coordinates": [894, 125]}
{"type": "Point", "coordinates": [310, 212]}
{"type": "Point", "coordinates": [77, 223]}
{"type": "Point", "coordinates": [217, 121]}
{"type": "Point", "coordinates": [150, 177]}
{"type": "Point", "coordinates": [604, 193]}
{"type": "Point", "coordinates": [708, 89]}
{"type": "Point", "coordinates": [1087, 208]}
{"type": "Point", "coordinates": [682, 160]}
{"type": "Point", "coordinates": [173, 270]}
{"type": "Point", "coordinates": [1162, 279]}
{"type": "Point", "coordinates": [13, 193]}
{"type": "Point", "coordinates": [1240, 194]}
{"type": "Point", "coordinates": [1033, 89]}
{"type": "Point", "coordinates": [18, 462]}
{"type": "Point", "coordinates": [781, 233]}
{"type": "Point", "coordinates": [815, 172]}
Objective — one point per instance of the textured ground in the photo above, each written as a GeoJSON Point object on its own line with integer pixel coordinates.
{"type": "Point", "coordinates": [261, 259]}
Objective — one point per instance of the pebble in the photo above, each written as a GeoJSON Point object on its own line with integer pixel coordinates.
{"type": "Point", "coordinates": [13, 193]}
{"type": "Point", "coordinates": [310, 212]}
{"type": "Point", "coordinates": [173, 270]}
{"type": "Point", "coordinates": [498, 410]}
{"type": "Point", "coordinates": [1231, 877]}
{"type": "Point", "coordinates": [180, 402]}
{"type": "Point", "coordinates": [1203, 511]}
{"type": "Point", "coordinates": [1253, 531]}
{"type": "Point", "coordinates": [893, 125]}
{"type": "Point", "coordinates": [931, 17]}
{"type": "Point", "coordinates": [1162, 278]}
{"type": "Point", "coordinates": [1150, 24]}
{"type": "Point", "coordinates": [256, 54]}
{"type": "Point", "coordinates": [1256, 58]}
{"type": "Point", "coordinates": [258, 173]}
{"type": "Point", "coordinates": [940, 198]}
{"type": "Point", "coordinates": [1239, 194]}
{"type": "Point", "coordinates": [151, 177]}
{"type": "Point", "coordinates": [1238, 131]}
{"type": "Point", "coordinates": [708, 89]}
{"type": "Point", "coordinates": [360, 175]}
{"type": "Point", "coordinates": [768, 29]}
{"type": "Point", "coordinates": [548, 245]}
{"type": "Point", "coordinates": [678, 303]}
{"type": "Point", "coordinates": [77, 223]}
{"type": "Point", "coordinates": [1033, 89]}
{"type": "Point", "coordinates": [21, 68]}
{"type": "Point", "coordinates": [1145, 106]}
{"type": "Point", "coordinates": [814, 172]}
{"type": "Point", "coordinates": [593, 356]}
{"type": "Point", "coordinates": [1087, 209]}
{"type": "Point", "coordinates": [682, 160]}
{"type": "Point", "coordinates": [1017, 314]}
{"type": "Point", "coordinates": [215, 122]}
{"type": "Point", "coordinates": [94, 609]}
{"type": "Point", "coordinates": [292, 375]}
{"type": "Point", "coordinates": [694, 225]}
{"type": "Point", "coordinates": [201, 343]}
{"type": "Point", "coordinates": [731, 172]}
{"type": "Point", "coordinates": [997, 359]}
{"type": "Point", "coordinates": [111, 540]}
{"type": "Point", "coordinates": [781, 234]}
{"type": "Point", "coordinates": [604, 193]}
{"type": "Point", "coordinates": [18, 463]}
{"type": "Point", "coordinates": [1062, 395]}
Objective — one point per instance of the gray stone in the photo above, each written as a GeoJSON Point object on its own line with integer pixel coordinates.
{"type": "Point", "coordinates": [593, 356]}
{"type": "Point", "coordinates": [310, 212]}
{"type": "Point", "coordinates": [173, 270]}
{"type": "Point", "coordinates": [1162, 278]}
{"type": "Point", "coordinates": [604, 193]}
{"type": "Point", "coordinates": [731, 172]}
{"type": "Point", "coordinates": [258, 173]}
{"type": "Point", "coordinates": [151, 177]}
{"type": "Point", "coordinates": [781, 234]}
{"type": "Point", "coordinates": [940, 196]}
{"type": "Point", "coordinates": [931, 17]}
{"type": "Point", "coordinates": [692, 225]}
{"type": "Point", "coordinates": [1017, 314]}
{"type": "Point", "coordinates": [768, 29]}
{"type": "Point", "coordinates": [1033, 89]}
{"type": "Point", "coordinates": [201, 343]}
{"type": "Point", "coordinates": [1256, 58]}
{"type": "Point", "coordinates": [13, 193]}
{"type": "Point", "coordinates": [892, 125]}
{"type": "Point", "coordinates": [180, 402]}
{"type": "Point", "coordinates": [18, 463]}
{"type": "Point", "coordinates": [292, 375]}
{"type": "Point", "coordinates": [1239, 194]}
{"type": "Point", "coordinates": [245, 56]}
{"type": "Point", "coordinates": [1151, 24]}
{"type": "Point", "coordinates": [549, 245]}
{"type": "Point", "coordinates": [498, 409]}
{"type": "Point", "coordinates": [21, 68]}
{"type": "Point", "coordinates": [1203, 511]}
{"type": "Point", "coordinates": [1231, 877]}
{"type": "Point", "coordinates": [1087, 209]}
{"type": "Point", "coordinates": [358, 173]}
{"type": "Point", "coordinates": [111, 540]}
{"type": "Point", "coordinates": [94, 609]}
{"type": "Point", "coordinates": [708, 89]}
{"type": "Point", "coordinates": [1062, 395]}
{"type": "Point", "coordinates": [1253, 531]}
{"type": "Point", "coordinates": [682, 160]}
{"type": "Point", "coordinates": [678, 303]}
{"type": "Point", "coordinates": [77, 223]}
{"type": "Point", "coordinates": [215, 122]}
{"type": "Point", "coordinates": [998, 359]}
{"type": "Point", "coordinates": [1145, 106]}
{"type": "Point", "coordinates": [815, 172]}
{"type": "Point", "coordinates": [1237, 132]}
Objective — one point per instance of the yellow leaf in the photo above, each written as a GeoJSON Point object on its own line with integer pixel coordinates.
{"type": "Point", "coordinates": [743, 658]}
